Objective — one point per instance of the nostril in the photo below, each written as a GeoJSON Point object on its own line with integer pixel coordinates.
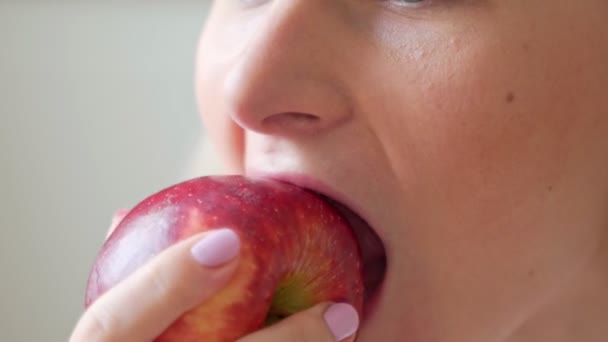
{"type": "Point", "coordinates": [292, 121]}
{"type": "Point", "coordinates": [295, 117]}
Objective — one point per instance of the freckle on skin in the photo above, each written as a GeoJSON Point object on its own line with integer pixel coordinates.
{"type": "Point", "coordinates": [510, 97]}
{"type": "Point", "coordinates": [525, 47]}
{"type": "Point", "coordinates": [531, 273]}
{"type": "Point", "coordinates": [550, 188]}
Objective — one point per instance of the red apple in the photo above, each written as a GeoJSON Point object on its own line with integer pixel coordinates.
{"type": "Point", "coordinates": [296, 251]}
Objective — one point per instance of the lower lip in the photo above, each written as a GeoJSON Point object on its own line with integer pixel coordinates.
{"type": "Point", "coordinates": [371, 304]}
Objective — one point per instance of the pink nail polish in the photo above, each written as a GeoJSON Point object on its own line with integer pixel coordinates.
{"type": "Point", "coordinates": [116, 219]}
{"type": "Point", "coordinates": [216, 248]}
{"type": "Point", "coordinates": [342, 319]}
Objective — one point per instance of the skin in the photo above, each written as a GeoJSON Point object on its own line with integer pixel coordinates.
{"type": "Point", "coordinates": [472, 134]}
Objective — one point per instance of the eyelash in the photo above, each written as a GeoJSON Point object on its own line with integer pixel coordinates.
{"type": "Point", "coordinates": [398, 2]}
{"type": "Point", "coordinates": [409, 3]}
{"type": "Point", "coordinates": [393, 3]}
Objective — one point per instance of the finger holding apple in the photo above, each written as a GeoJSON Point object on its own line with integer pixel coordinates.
{"type": "Point", "coordinates": [324, 322]}
{"type": "Point", "coordinates": [118, 216]}
{"type": "Point", "coordinates": [144, 304]}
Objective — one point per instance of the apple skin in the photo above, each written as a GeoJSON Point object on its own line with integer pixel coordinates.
{"type": "Point", "coordinates": [296, 251]}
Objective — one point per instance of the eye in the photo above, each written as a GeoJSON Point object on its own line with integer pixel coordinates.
{"type": "Point", "coordinates": [409, 2]}
{"type": "Point", "coordinates": [412, 3]}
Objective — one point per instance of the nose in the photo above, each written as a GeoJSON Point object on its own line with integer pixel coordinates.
{"type": "Point", "coordinates": [285, 79]}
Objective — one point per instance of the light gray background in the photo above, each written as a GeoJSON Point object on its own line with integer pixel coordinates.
{"type": "Point", "coordinates": [96, 112]}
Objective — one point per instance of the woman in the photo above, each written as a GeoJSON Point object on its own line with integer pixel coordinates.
{"type": "Point", "coordinates": [471, 134]}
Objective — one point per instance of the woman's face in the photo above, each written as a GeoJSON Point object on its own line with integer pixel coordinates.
{"type": "Point", "coordinates": [471, 134]}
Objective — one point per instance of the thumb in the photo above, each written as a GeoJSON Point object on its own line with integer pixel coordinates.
{"type": "Point", "coordinates": [324, 322]}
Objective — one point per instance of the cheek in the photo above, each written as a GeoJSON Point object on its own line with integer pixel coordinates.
{"type": "Point", "coordinates": [227, 137]}
{"type": "Point", "coordinates": [495, 152]}
{"type": "Point", "coordinates": [491, 125]}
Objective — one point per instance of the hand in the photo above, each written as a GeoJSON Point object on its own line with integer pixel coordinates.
{"type": "Point", "coordinates": [169, 285]}
{"type": "Point", "coordinates": [324, 322]}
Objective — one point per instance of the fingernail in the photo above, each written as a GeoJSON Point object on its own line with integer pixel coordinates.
{"type": "Point", "coordinates": [216, 248]}
{"type": "Point", "coordinates": [116, 219]}
{"type": "Point", "coordinates": [342, 319]}
{"type": "Point", "coordinates": [119, 215]}
{"type": "Point", "coordinates": [121, 212]}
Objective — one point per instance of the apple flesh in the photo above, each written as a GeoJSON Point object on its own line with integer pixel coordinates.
{"type": "Point", "coordinates": [296, 251]}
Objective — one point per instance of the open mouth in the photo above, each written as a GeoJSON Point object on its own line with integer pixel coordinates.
{"type": "Point", "coordinates": [372, 252]}
{"type": "Point", "coordinates": [371, 246]}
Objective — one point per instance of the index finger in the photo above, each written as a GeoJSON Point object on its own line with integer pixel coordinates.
{"type": "Point", "coordinates": [145, 304]}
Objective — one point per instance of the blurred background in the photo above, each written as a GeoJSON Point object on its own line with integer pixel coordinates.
{"type": "Point", "coordinates": [97, 111]}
